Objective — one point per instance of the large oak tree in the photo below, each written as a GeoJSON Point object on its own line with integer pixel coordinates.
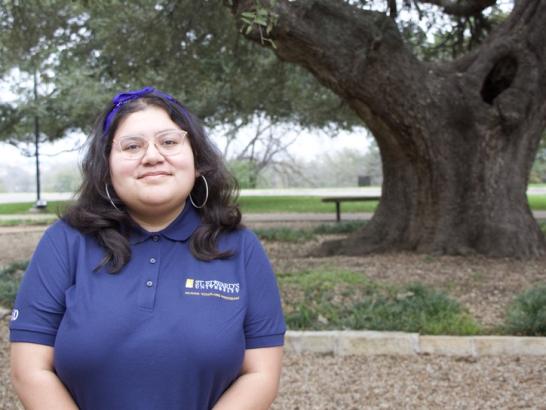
{"type": "Point", "coordinates": [457, 137]}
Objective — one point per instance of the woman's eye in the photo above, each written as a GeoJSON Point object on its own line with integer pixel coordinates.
{"type": "Point", "coordinates": [131, 146]}
{"type": "Point", "coordinates": [169, 142]}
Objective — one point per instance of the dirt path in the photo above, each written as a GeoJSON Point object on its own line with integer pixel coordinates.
{"type": "Point", "coordinates": [18, 243]}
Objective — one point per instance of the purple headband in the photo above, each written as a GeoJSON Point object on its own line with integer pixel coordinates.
{"type": "Point", "coordinates": [122, 98]}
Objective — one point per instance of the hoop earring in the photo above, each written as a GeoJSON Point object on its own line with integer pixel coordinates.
{"type": "Point", "coordinates": [110, 198]}
{"type": "Point", "coordinates": [206, 194]}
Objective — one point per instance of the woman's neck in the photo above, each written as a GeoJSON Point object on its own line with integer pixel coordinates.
{"type": "Point", "coordinates": [154, 222]}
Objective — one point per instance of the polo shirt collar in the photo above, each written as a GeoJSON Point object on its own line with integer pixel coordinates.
{"type": "Point", "coordinates": [178, 230]}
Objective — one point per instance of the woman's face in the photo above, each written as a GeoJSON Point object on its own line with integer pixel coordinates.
{"type": "Point", "coordinates": [155, 182]}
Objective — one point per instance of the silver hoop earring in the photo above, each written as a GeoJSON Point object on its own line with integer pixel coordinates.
{"type": "Point", "coordinates": [110, 198]}
{"type": "Point", "coordinates": [206, 194]}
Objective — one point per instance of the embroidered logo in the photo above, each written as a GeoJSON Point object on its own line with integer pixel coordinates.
{"type": "Point", "coordinates": [14, 314]}
{"type": "Point", "coordinates": [214, 288]}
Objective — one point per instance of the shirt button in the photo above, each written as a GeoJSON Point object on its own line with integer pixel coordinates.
{"type": "Point", "coordinates": [153, 260]}
{"type": "Point", "coordinates": [155, 238]}
{"type": "Point", "coordinates": [149, 284]}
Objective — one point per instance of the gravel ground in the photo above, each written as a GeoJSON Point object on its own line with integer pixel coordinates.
{"type": "Point", "coordinates": [311, 381]}
{"type": "Point", "coordinates": [419, 382]}
{"type": "Point", "coordinates": [18, 243]}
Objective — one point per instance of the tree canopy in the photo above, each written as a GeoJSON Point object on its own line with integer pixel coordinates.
{"type": "Point", "coordinates": [84, 52]}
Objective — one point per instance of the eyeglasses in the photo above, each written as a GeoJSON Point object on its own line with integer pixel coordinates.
{"type": "Point", "coordinates": [167, 143]}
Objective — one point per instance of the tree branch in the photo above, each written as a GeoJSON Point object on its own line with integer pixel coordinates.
{"type": "Point", "coordinates": [393, 10]}
{"type": "Point", "coordinates": [346, 49]}
{"type": "Point", "coordinates": [462, 8]}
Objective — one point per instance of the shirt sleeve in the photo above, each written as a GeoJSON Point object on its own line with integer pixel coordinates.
{"type": "Point", "coordinates": [264, 321]}
{"type": "Point", "coordinates": [40, 302]}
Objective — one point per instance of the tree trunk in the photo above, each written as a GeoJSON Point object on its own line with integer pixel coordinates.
{"type": "Point", "coordinates": [457, 139]}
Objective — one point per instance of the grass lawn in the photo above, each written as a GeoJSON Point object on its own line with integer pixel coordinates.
{"type": "Point", "coordinates": [266, 204]}
{"type": "Point", "coordinates": [24, 207]}
{"type": "Point", "coordinates": [269, 204]}
{"type": "Point", "coordinates": [537, 202]}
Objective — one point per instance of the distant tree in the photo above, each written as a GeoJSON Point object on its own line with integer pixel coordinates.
{"type": "Point", "coordinates": [62, 178]}
{"type": "Point", "coordinates": [266, 148]}
{"type": "Point", "coordinates": [34, 38]}
{"type": "Point", "coordinates": [335, 169]}
{"type": "Point", "coordinates": [372, 164]}
{"type": "Point", "coordinates": [51, 83]}
{"type": "Point", "coordinates": [17, 179]}
{"type": "Point", "coordinates": [538, 172]}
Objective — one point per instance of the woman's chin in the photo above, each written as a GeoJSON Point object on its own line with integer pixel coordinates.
{"type": "Point", "coordinates": [159, 202]}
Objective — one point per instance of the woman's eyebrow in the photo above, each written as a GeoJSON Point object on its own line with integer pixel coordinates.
{"type": "Point", "coordinates": [167, 130]}
{"type": "Point", "coordinates": [142, 135]}
{"type": "Point", "coordinates": [135, 135]}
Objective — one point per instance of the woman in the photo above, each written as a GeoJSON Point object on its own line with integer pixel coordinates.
{"type": "Point", "coordinates": [148, 294]}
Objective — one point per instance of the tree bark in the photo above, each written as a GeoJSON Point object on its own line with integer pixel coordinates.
{"type": "Point", "coordinates": [457, 139]}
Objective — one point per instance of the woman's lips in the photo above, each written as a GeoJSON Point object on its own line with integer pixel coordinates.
{"type": "Point", "coordinates": [153, 175]}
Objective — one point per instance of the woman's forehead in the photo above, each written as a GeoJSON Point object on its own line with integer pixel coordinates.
{"type": "Point", "coordinates": [149, 120]}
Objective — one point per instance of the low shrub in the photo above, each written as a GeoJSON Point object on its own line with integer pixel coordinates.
{"type": "Point", "coordinates": [338, 227]}
{"type": "Point", "coordinates": [526, 315]}
{"type": "Point", "coordinates": [284, 234]}
{"type": "Point", "coordinates": [321, 300]}
{"type": "Point", "coordinates": [27, 222]}
{"type": "Point", "coordinates": [413, 308]}
{"type": "Point", "coordinates": [10, 276]}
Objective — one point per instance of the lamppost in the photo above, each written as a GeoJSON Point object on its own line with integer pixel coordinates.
{"type": "Point", "coordinates": [40, 203]}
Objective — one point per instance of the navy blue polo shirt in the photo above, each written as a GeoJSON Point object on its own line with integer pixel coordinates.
{"type": "Point", "coordinates": [166, 332]}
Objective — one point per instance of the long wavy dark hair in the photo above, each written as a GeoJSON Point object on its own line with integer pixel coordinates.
{"type": "Point", "coordinates": [94, 214]}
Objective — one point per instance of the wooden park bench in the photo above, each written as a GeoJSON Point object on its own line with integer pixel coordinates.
{"type": "Point", "coordinates": [339, 199]}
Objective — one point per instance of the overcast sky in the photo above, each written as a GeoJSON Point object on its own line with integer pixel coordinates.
{"type": "Point", "coordinates": [307, 146]}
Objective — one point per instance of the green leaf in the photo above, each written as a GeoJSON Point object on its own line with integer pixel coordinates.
{"type": "Point", "coordinates": [271, 42]}
{"type": "Point", "coordinates": [260, 21]}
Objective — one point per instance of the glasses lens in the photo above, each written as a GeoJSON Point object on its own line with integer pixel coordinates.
{"type": "Point", "coordinates": [170, 143]}
{"type": "Point", "coordinates": [167, 143]}
{"type": "Point", "coordinates": [133, 147]}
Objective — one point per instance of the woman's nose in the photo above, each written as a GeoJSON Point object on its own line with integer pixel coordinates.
{"type": "Point", "coordinates": [152, 154]}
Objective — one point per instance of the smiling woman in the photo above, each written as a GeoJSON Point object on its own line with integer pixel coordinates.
{"type": "Point", "coordinates": [151, 180]}
{"type": "Point", "coordinates": [148, 293]}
